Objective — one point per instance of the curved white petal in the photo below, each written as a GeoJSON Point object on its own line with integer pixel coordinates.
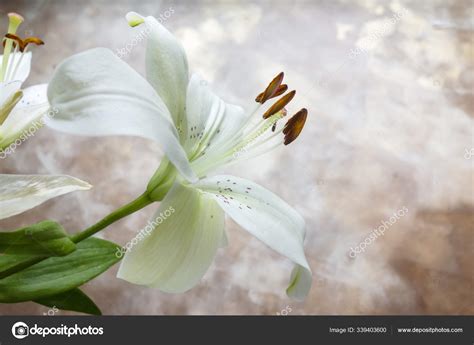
{"type": "Point", "coordinates": [204, 112]}
{"type": "Point", "coordinates": [222, 140]}
{"type": "Point", "coordinates": [268, 218]}
{"type": "Point", "coordinates": [19, 193]}
{"type": "Point", "coordinates": [26, 115]}
{"type": "Point", "coordinates": [7, 89]}
{"type": "Point", "coordinates": [230, 128]}
{"type": "Point", "coordinates": [300, 283]}
{"type": "Point", "coordinates": [95, 93]}
{"type": "Point", "coordinates": [180, 249]}
{"type": "Point", "coordinates": [211, 123]}
{"type": "Point", "coordinates": [166, 65]}
{"type": "Point", "coordinates": [19, 64]}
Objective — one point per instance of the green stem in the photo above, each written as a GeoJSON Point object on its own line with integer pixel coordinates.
{"type": "Point", "coordinates": [132, 207]}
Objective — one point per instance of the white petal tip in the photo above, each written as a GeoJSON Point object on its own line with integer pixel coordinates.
{"type": "Point", "coordinates": [86, 186]}
{"type": "Point", "coordinates": [293, 295]}
{"type": "Point", "coordinates": [82, 185]}
{"type": "Point", "coordinates": [300, 283]}
{"type": "Point", "coordinates": [134, 19]}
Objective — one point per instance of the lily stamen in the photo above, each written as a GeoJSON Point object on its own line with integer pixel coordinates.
{"type": "Point", "coordinates": [252, 137]}
{"type": "Point", "coordinates": [274, 89]}
{"type": "Point", "coordinates": [4, 43]}
{"type": "Point", "coordinates": [14, 22]}
{"type": "Point", "coordinates": [256, 136]}
{"type": "Point", "coordinates": [24, 43]}
{"type": "Point", "coordinates": [280, 104]}
{"type": "Point", "coordinates": [13, 61]}
{"type": "Point", "coordinates": [271, 89]}
{"type": "Point", "coordinates": [294, 126]}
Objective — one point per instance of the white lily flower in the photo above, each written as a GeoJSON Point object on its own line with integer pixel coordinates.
{"type": "Point", "coordinates": [18, 108]}
{"type": "Point", "coordinates": [96, 93]}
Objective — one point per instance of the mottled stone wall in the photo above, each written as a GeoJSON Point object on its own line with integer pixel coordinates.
{"type": "Point", "coordinates": [388, 86]}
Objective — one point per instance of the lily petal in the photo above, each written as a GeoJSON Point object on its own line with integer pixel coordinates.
{"type": "Point", "coordinates": [180, 249]}
{"type": "Point", "coordinates": [7, 89]}
{"type": "Point", "coordinates": [222, 139]}
{"type": "Point", "coordinates": [19, 193]}
{"type": "Point", "coordinates": [268, 218]}
{"type": "Point", "coordinates": [166, 65]}
{"type": "Point", "coordinates": [27, 112]}
{"type": "Point", "coordinates": [204, 111]}
{"type": "Point", "coordinates": [211, 122]}
{"type": "Point", "coordinates": [24, 67]}
{"type": "Point", "coordinates": [300, 283]}
{"type": "Point", "coordinates": [97, 94]}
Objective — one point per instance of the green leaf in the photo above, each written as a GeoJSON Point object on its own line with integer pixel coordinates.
{"type": "Point", "coordinates": [74, 300]}
{"type": "Point", "coordinates": [10, 264]}
{"type": "Point", "coordinates": [56, 275]}
{"type": "Point", "coordinates": [46, 238]}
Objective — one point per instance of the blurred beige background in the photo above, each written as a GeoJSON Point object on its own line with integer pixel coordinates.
{"type": "Point", "coordinates": [390, 121]}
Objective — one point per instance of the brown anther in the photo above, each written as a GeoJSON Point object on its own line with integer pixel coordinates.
{"type": "Point", "coordinates": [279, 105]}
{"type": "Point", "coordinates": [15, 38]}
{"type": "Point", "coordinates": [271, 89]}
{"type": "Point", "coordinates": [294, 126]}
{"type": "Point", "coordinates": [279, 91]}
{"type": "Point", "coordinates": [24, 43]}
{"type": "Point", "coordinates": [5, 42]}
{"type": "Point", "coordinates": [34, 40]}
